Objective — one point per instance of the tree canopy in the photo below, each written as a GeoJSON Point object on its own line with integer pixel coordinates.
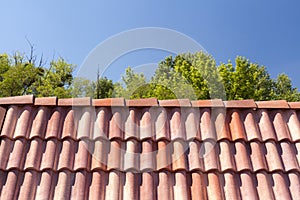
{"type": "Point", "coordinates": [193, 76]}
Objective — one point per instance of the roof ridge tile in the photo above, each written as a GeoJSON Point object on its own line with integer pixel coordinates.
{"type": "Point", "coordinates": [108, 102]}
{"type": "Point", "coordinates": [273, 104]}
{"type": "Point", "coordinates": [208, 103]}
{"type": "Point", "coordinates": [175, 103]}
{"type": "Point", "coordinates": [26, 99]}
{"type": "Point", "coordinates": [147, 102]}
{"type": "Point", "coordinates": [82, 101]}
{"type": "Point", "coordinates": [46, 101]}
{"type": "Point", "coordinates": [247, 103]}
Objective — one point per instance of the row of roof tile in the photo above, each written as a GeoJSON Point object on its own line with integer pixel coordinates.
{"type": "Point", "coordinates": [148, 185]}
{"type": "Point", "coordinates": [150, 123]}
{"type": "Point", "coordinates": [137, 156]}
{"type": "Point", "coordinates": [149, 102]}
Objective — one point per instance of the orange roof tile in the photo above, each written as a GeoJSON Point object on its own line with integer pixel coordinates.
{"type": "Point", "coordinates": [148, 149]}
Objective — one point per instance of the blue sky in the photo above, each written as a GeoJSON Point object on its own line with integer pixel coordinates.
{"type": "Point", "coordinates": [266, 32]}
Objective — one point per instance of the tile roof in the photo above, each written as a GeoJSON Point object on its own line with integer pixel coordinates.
{"type": "Point", "coordinates": [148, 149]}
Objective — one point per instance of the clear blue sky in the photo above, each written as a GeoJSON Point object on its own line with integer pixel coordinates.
{"type": "Point", "coordinates": [267, 32]}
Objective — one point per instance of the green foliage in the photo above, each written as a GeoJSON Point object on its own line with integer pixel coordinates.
{"type": "Point", "coordinates": [135, 85]}
{"type": "Point", "coordinates": [246, 80]}
{"type": "Point", "coordinates": [193, 76]}
{"type": "Point", "coordinates": [21, 76]}
{"type": "Point", "coordinates": [57, 80]}
{"type": "Point", "coordinates": [196, 76]}
{"type": "Point", "coordinates": [284, 90]}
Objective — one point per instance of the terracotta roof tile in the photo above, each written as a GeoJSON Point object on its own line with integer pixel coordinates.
{"type": "Point", "coordinates": [139, 150]}
{"type": "Point", "coordinates": [20, 100]}
{"type": "Point", "coordinates": [240, 104]}
{"type": "Point", "coordinates": [208, 103]}
{"type": "Point", "coordinates": [276, 104]}
{"type": "Point", "coordinates": [108, 102]}
{"type": "Point", "coordinates": [45, 101]}
{"type": "Point", "coordinates": [84, 101]}
{"type": "Point", "coordinates": [142, 102]}
{"type": "Point", "coordinates": [175, 103]}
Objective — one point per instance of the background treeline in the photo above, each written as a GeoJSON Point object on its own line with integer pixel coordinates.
{"type": "Point", "coordinates": [193, 76]}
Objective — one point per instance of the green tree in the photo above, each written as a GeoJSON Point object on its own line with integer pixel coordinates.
{"type": "Point", "coordinates": [284, 90]}
{"type": "Point", "coordinates": [57, 80]}
{"type": "Point", "coordinates": [18, 76]}
{"type": "Point", "coordinates": [246, 80]}
{"type": "Point", "coordinates": [133, 85]}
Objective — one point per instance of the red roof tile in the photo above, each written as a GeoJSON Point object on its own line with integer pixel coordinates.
{"type": "Point", "coordinates": [148, 149]}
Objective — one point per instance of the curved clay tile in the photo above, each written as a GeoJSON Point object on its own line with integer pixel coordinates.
{"type": "Point", "coordinates": [39, 123]}
{"type": "Point", "coordinates": [194, 160]}
{"type": "Point", "coordinates": [230, 186]}
{"type": "Point", "coordinates": [165, 185]}
{"type": "Point", "coordinates": [10, 185]}
{"type": "Point", "coordinates": [67, 154]}
{"type": "Point", "coordinates": [191, 124]}
{"type": "Point", "coordinates": [85, 122]}
{"type": "Point", "coordinates": [236, 125]}
{"type": "Point", "coordinates": [99, 155]}
{"type": "Point", "coordinates": [34, 155]}
{"type": "Point", "coordinates": [162, 129]}
{"type": "Point", "coordinates": [45, 185]}
{"type": "Point", "coordinates": [116, 151]}
{"type": "Point", "coordinates": [211, 161]}
{"type": "Point", "coordinates": [79, 187]}
{"type": "Point", "coordinates": [265, 125]}
{"type": "Point", "coordinates": [280, 188]}
{"type": "Point", "coordinates": [129, 186]}
{"type": "Point", "coordinates": [280, 126]}
{"type": "Point", "coordinates": [273, 159]}
{"type": "Point", "coordinates": [163, 157]}
{"type": "Point", "coordinates": [63, 185]}
{"type": "Point", "coordinates": [293, 125]}
{"type": "Point", "coordinates": [147, 156]}
{"type": "Point", "coordinates": [113, 189]}
{"type": "Point", "coordinates": [179, 161]}
{"type": "Point", "coordinates": [6, 148]}
{"type": "Point", "coordinates": [294, 178]}
{"type": "Point", "coordinates": [242, 158]}
{"type": "Point", "coordinates": [147, 191]}
{"type": "Point", "coordinates": [257, 156]}
{"type": "Point", "coordinates": [131, 124]}
{"type": "Point", "coordinates": [101, 123]}
{"type": "Point", "coordinates": [146, 124]}
{"type": "Point", "coordinates": [23, 122]}
{"type": "Point", "coordinates": [251, 127]}
{"type": "Point", "coordinates": [97, 189]}
{"type": "Point", "coordinates": [226, 155]}
{"type": "Point", "coordinates": [50, 154]}
{"type": "Point", "coordinates": [221, 124]}
{"type": "Point", "coordinates": [10, 121]}
{"type": "Point", "coordinates": [115, 124]}
{"type": "Point", "coordinates": [69, 125]}
{"type": "Point", "coordinates": [264, 188]}
{"type": "Point", "coordinates": [18, 154]}
{"type": "Point", "coordinates": [213, 186]}
{"type": "Point", "coordinates": [197, 185]}
{"type": "Point", "coordinates": [247, 186]}
{"type": "Point", "coordinates": [288, 156]}
{"type": "Point", "coordinates": [54, 126]}
{"type": "Point", "coordinates": [28, 186]}
{"type": "Point", "coordinates": [176, 124]}
{"type": "Point", "coordinates": [206, 125]}
{"type": "Point", "coordinates": [180, 187]}
{"type": "Point", "coordinates": [82, 158]}
{"type": "Point", "coordinates": [131, 156]}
